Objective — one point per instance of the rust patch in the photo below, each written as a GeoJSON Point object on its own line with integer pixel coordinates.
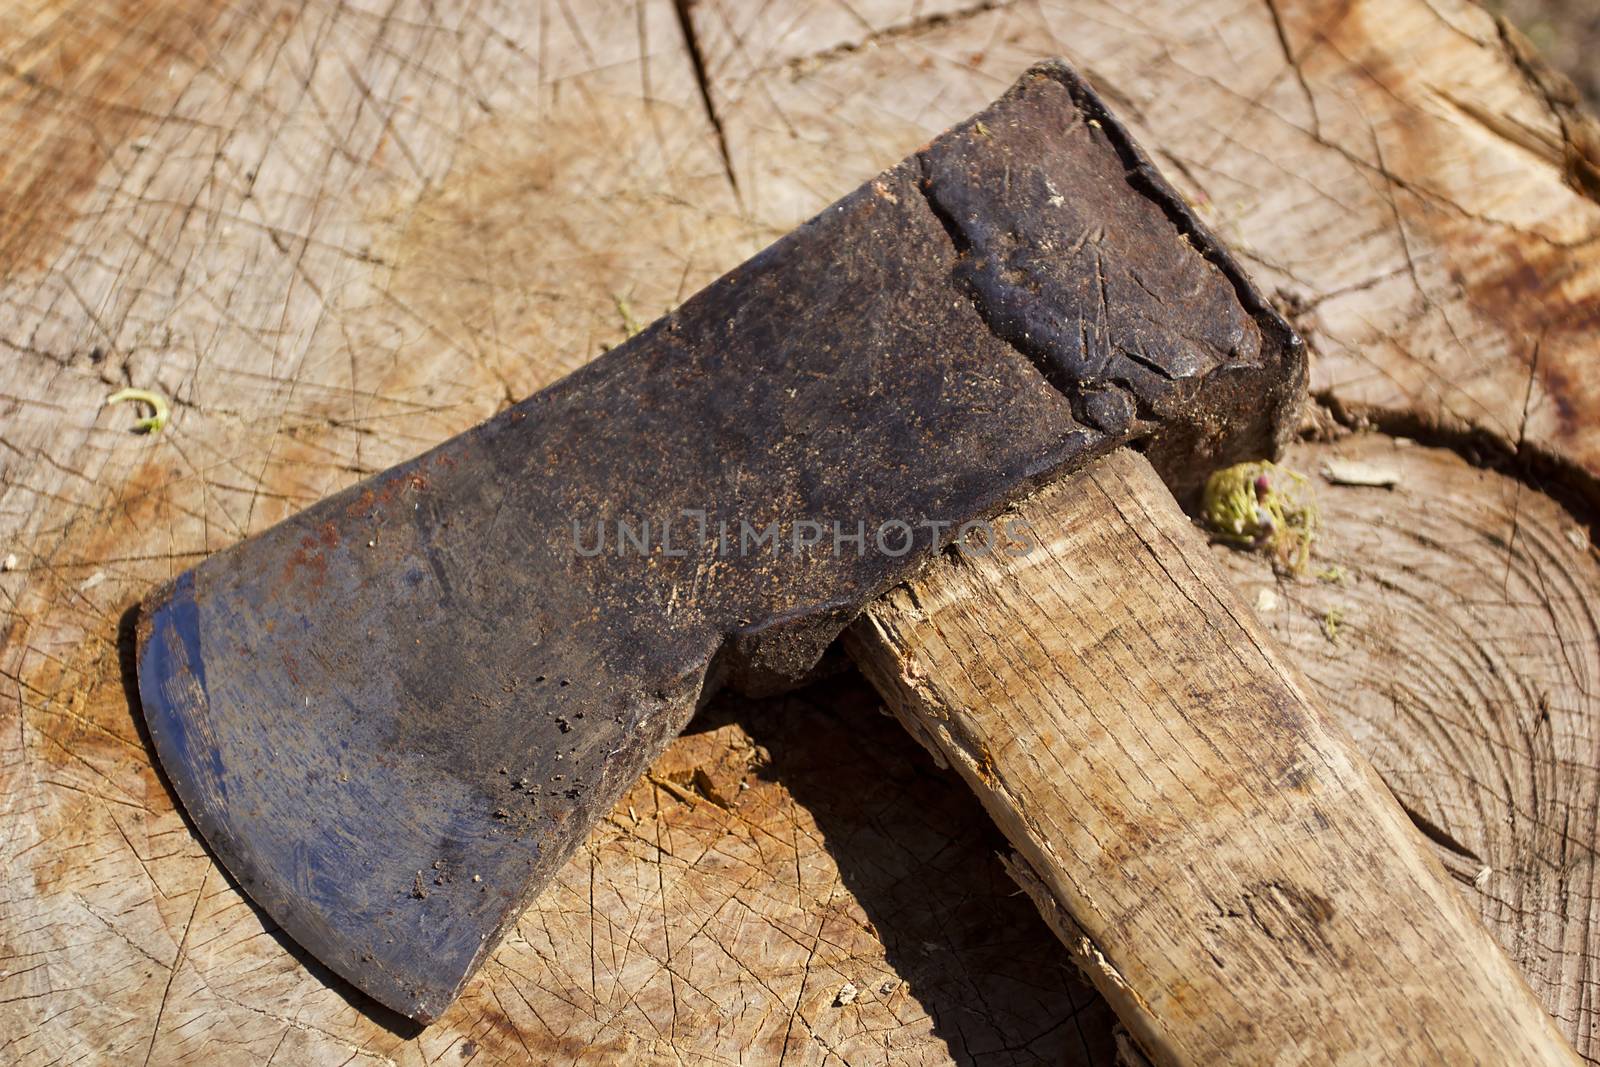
{"type": "Point", "coordinates": [309, 558]}
{"type": "Point", "coordinates": [375, 497]}
{"type": "Point", "coordinates": [74, 95]}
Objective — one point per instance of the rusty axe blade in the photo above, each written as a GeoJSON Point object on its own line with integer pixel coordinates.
{"type": "Point", "coordinates": [394, 715]}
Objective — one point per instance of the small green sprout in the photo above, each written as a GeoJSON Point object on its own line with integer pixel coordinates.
{"type": "Point", "coordinates": [1263, 507]}
{"type": "Point", "coordinates": [159, 411]}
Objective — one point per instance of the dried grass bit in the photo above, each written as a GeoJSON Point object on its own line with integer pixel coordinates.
{"type": "Point", "coordinates": [159, 412]}
{"type": "Point", "coordinates": [1332, 624]}
{"type": "Point", "coordinates": [1265, 508]}
{"type": "Point", "coordinates": [630, 325]}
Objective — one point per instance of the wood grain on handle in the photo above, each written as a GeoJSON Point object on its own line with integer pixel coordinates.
{"type": "Point", "coordinates": [1225, 866]}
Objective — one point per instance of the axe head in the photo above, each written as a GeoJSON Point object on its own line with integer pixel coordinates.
{"type": "Point", "coordinates": [394, 715]}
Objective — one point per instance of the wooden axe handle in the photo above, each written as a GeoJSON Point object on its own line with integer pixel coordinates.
{"type": "Point", "coordinates": [1223, 864]}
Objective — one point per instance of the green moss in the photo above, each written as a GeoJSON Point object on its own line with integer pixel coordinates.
{"type": "Point", "coordinates": [1265, 508]}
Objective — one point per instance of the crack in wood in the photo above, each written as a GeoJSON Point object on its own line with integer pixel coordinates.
{"type": "Point", "coordinates": [691, 42]}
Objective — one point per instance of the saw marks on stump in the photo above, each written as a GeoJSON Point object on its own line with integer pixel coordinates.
{"type": "Point", "coordinates": [335, 236]}
{"type": "Point", "coordinates": [1465, 658]}
{"type": "Point", "coordinates": [725, 913]}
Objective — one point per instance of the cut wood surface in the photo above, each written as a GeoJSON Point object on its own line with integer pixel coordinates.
{"type": "Point", "coordinates": [1238, 884]}
{"type": "Point", "coordinates": [335, 234]}
{"type": "Point", "coordinates": [1455, 631]}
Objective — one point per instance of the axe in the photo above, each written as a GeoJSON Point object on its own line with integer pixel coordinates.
{"type": "Point", "coordinates": [945, 418]}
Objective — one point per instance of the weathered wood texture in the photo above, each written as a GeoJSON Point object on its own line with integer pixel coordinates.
{"type": "Point", "coordinates": [1238, 884]}
{"type": "Point", "coordinates": [1456, 632]}
{"type": "Point", "coordinates": [336, 234]}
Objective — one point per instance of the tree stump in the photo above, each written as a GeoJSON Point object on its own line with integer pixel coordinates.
{"type": "Point", "coordinates": [333, 236]}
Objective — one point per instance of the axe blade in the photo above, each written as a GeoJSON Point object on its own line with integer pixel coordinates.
{"type": "Point", "coordinates": [394, 715]}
